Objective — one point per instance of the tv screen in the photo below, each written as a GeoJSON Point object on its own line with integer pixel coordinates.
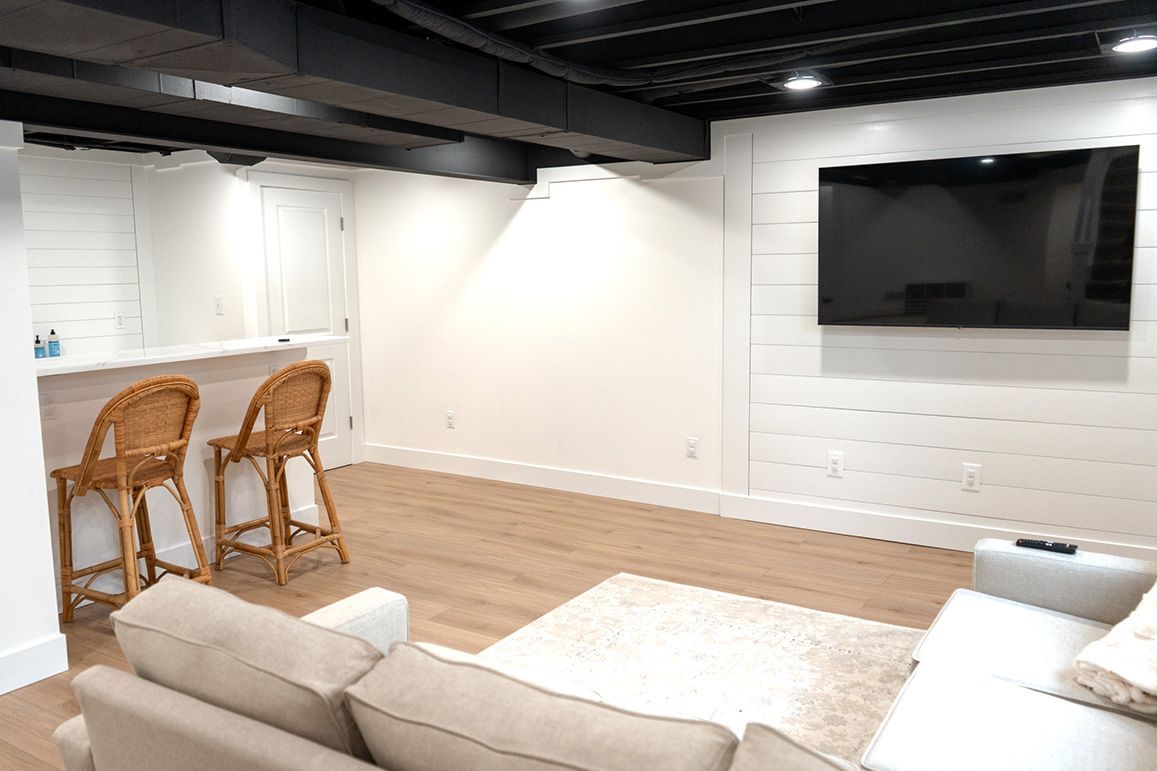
{"type": "Point", "coordinates": [1032, 241]}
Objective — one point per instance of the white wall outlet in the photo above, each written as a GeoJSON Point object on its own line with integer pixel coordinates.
{"type": "Point", "coordinates": [218, 305]}
{"type": "Point", "coordinates": [48, 406]}
{"type": "Point", "coordinates": [970, 477]}
{"type": "Point", "coordinates": [449, 418]}
{"type": "Point", "coordinates": [692, 447]}
{"type": "Point", "coordinates": [836, 463]}
{"type": "Point", "coordinates": [118, 321]}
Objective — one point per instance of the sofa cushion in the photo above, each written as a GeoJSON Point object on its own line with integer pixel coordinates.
{"type": "Point", "coordinates": [246, 658]}
{"type": "Point", "coordinates": [967, 721]}
{"type": "Point", "coordinates": [420, 712]}
{"type": "Point", "coordinates": [1020, 643]}
{"type": "Point", "coordinates": [763, 747]}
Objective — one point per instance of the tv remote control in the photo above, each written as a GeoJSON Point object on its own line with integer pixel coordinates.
{"type": "Point", "coordinates": [1057, 546]}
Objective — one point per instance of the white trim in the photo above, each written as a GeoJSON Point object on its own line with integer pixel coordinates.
{"type": "Point", "coordinates": [143, 227]}
{"type": "Point", "coordinates": [736, 314]}
{"type": "Point", "coordinates": [918, 527]}
{"type": "Point", "coordinates": [33, 661]}
{"type": "Point", "coordinates": [585, 482]}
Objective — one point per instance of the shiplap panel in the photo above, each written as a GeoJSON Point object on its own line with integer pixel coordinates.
{"type": "Point", "coordinates": [784, 269]}
{"type": "Point", "coordinates": [1146, 228]}
{"type": "Point", "coordinates": [53, 239]}
{"type": "Point", "coordinates": [1140, 340]}
{"type": "Point", "coordinates": [1108, 480]}
{"type": "Point", "coordinates": [68, 167]}
{"type": "Point", "coordinates": [788, 177]}
{"type": "Point", "coordinates": [84, 311]}
{"type": "Point", "coordinates": [770, 208]}
{"type": "Point", "coordinates": [106, 344]}
{"type": "Point", "coordinates": [69, 221]}
{"type": "Point", "coordinates": [73, 186]}
{"type": "Point", "coordinates": [1037, 405]}
{"type": "Point", "coordinates": [1147, 190]}
{"type": "Point", "coordinates": [1145, 265]}
{"type": "Point", "coordinates": [104, 326]}
{"type": "Point", "coordinates": [72, 276]}
{"type": "Point", "coordinates": [1116, 515]}
{"type": "Point", "coordinates": [84, 294]}
{"type": "Point", "coordinates": [1035, 371]}
{"type": "Point", "coordinates": [785, 300]}
{"type": "Point", "coordinates": [76, 204]}
{"type": "Point", "coordinates": [785, 238]}
{"type": "Point", "coordinates": [91, 258]}
{"type": "Point", "coordinates": [1049, 440]}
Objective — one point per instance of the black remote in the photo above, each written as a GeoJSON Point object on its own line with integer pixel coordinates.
{"type": "Point", "coordinates": [1057, 546]}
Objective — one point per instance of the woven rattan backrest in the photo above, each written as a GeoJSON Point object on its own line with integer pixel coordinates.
{"type": "Point", "coordinates": [151, 417]}
{"type": "Point", "coordinates": [293, 399]}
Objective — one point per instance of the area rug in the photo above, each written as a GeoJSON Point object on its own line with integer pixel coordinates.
{"type": "Point", "coordinates": [663, 648]}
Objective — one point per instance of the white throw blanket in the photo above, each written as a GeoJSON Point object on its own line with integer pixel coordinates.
{"type": "Point", "coordinates": [1122, 665]}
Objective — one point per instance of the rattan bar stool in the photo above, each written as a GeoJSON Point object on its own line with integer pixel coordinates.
{"type": "Point", "coordinates": [151, 422]}
{"type": "Point", "coordinates": [293, 400]}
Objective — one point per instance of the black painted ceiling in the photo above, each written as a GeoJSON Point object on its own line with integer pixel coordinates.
{"type": "Point", "coordinates": [871, 50]}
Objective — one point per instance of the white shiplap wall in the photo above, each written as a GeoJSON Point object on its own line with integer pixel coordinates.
{"type": "Point", "coordinates": [1064, 423]}
{"type": "Point", "coordinates": [80, 234]}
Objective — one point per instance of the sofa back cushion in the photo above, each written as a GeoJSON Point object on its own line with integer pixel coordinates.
{"type": "Point", "coordinates": [763, 748]}
{"type": "Point", "coordinates": [420, 712]}
{"type": "Point", "coordinates": [249, 659]}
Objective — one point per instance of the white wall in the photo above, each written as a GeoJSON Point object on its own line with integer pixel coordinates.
{"type": "Point", "coordinates": [1062, 421]}
{"type": "Point", "coordinates": [31, 646]}
{"type": "Point", "coordinates": [80, 233]}
{"type": "Point", "coordinates": [205, 244]}
{"type": "Point", "coordinates": [577, 336]}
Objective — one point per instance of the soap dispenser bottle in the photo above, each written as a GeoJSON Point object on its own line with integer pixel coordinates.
{"type": "Point", "coordinates": [53, 343]}
{"type": "Point", "coordinates": [38, 347]}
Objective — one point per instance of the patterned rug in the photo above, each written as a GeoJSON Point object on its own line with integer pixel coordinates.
{"type": "Point", "coordinates": [653, 646]}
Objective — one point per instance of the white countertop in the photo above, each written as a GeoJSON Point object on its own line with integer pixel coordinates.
{"type": "Point", "coordinates": [141, 357]}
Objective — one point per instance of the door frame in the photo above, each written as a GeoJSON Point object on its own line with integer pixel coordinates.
{"type": "Point", "coordinates": [258, 180]}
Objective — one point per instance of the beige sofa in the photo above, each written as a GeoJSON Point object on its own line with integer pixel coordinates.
{"type": "Point", "coordinates": [219, 683]}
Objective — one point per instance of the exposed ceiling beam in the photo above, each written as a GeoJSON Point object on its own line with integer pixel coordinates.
{"type": "Point", "coordinates": [500, 15]}
{"type": "Point", "coordinates": [863, 32]}
{"type": "Point", "coordinates": [836, 61]}
{"type": "Point", "coordinates": [705, 15]}
{"type": "Point", "coordinates": [474, 158]}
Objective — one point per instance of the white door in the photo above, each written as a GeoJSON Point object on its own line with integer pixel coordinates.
{"type": "Point", "coordinates": [305, 271]}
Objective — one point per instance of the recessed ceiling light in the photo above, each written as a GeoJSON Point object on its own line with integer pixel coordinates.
{"type": "Point", "coordinates": [802, 82]}
{"type": "Point", "coordinates": [1135, 44]}
{"type": "Point", "coordinates": [987, 160]}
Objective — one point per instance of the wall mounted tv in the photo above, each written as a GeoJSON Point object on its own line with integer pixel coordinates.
{"type": "Point", "coordinates": [1031, 241]}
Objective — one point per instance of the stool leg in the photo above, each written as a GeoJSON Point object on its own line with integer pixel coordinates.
{"type": "Point", "coordinates": [219, 489]}
{"type": "Point", "coordinates": [145, 536]}
{"type": "Point", "coordinates": [64, 522]}
{"type": "Point", "coordinates": [330, 509]}
{"type": "Point", "coordinates": [128, 545]}
{"type": "Point", "coordinates": [283, 499]}
{"type": "Point", "coordinates": [204, 574]}
{"type": "Point", "coordinates": [276, 521]}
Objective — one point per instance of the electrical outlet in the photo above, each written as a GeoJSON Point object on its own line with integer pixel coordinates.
{"type": "Point", "coordinates": [118, 321]}
{"type": "Point", "coordinates": [449, 418]}
{"type": "Point", "coordinates": [692, 447]}
{"type": "Point", "coordinates": [48, 407]}
{"type": "Point", "coordinates": [218, 305]}
{"type": "Point", "coordinates": [970, 477]}
{"type": "Point", "coordinates": [836, 463]}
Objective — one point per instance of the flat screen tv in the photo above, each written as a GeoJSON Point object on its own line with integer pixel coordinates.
{"type": "Point", "coordinates": [1030, 241]}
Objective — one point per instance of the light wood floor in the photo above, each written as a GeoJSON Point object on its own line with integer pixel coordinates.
{"type": "Point", "coordinates": [480, 559]}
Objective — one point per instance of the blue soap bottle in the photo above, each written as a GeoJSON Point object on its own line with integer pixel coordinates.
{"type": "Point", "coordinates": [41, 351]}
{"type": "Point", "coordinates": [53, 343]}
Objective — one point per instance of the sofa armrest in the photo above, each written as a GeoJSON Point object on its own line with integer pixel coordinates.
{"type": "Point", "coordinates": [1101, 587]}
{"type": "Point", "coordinates": [378, 616]}
{"type": "Point", "coordinates": [71, 738]}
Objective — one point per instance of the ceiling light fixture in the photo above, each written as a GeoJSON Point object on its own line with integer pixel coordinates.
{"type": "Point", "coordinates": [802, 82]}
{"type": "Point", "coordinates": [1135, 44]}
{"type": "Point", "coordinates": [987, 161]}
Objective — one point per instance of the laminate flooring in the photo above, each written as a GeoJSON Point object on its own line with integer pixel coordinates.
{"type": "Point", "coordinates": [479, 559]}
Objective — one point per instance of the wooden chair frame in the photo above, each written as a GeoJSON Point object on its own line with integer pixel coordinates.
{"type": "Point", "coordinates": [131, 508]}
{"type": "Point", "coordinates": [281, 444]}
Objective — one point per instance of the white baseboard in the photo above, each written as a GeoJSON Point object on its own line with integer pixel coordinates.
{"type": "Point", "coordinates": [585, 482]}
{"type": "Point", "coordinates": [34, 661]}
{"type": "Point", "coordinates": [920, 527]}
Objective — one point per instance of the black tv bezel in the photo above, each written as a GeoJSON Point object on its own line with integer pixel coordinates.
{"type": "Point", "coordinates": [870, 325]}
